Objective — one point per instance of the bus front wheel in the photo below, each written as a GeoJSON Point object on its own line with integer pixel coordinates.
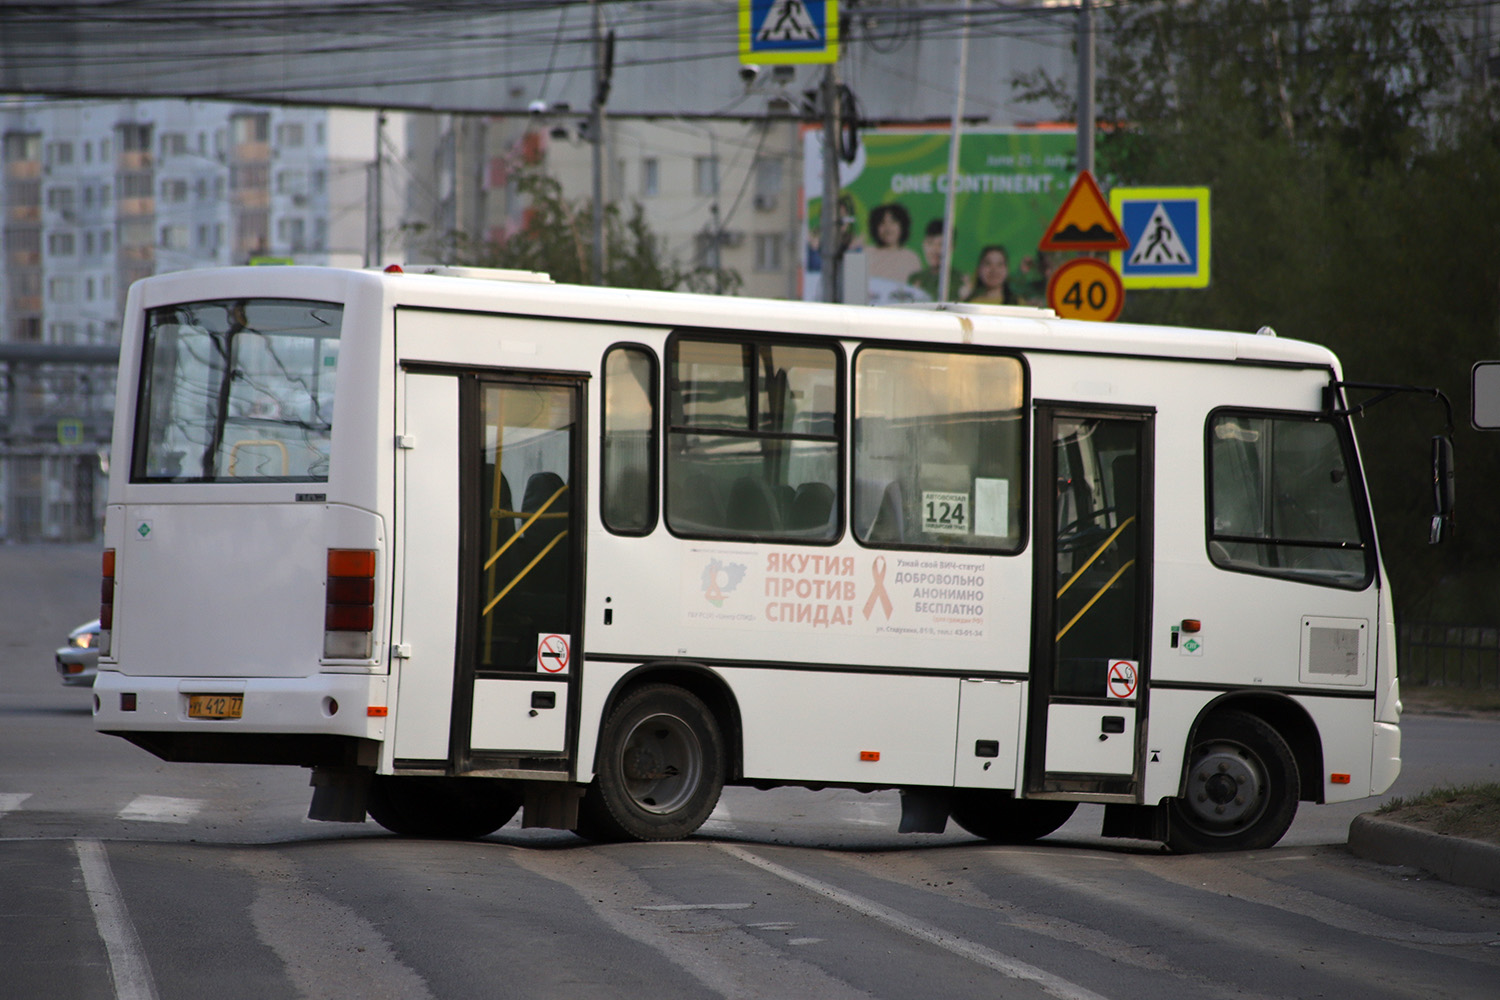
{"type": "Point", "coordinates": [1242, 787]}
{"type": "Point", "coordinates": [449, 808]}
{"type": "Point", "coordinates": [661, 768]}
{"type": "Point", "coordinates": [1006, 820]}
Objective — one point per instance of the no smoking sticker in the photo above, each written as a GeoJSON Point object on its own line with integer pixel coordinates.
{"type": "Point", "coordinates": [1122, 679]}
{"type": "Point", "coordinates": [553, 652]}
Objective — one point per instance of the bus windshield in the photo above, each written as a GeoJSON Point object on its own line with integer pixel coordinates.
{"type": "Point", "coordinates": [237, 391]}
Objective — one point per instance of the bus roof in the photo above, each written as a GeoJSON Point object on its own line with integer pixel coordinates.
{"type": "Point", "coordinates": [529, 294]}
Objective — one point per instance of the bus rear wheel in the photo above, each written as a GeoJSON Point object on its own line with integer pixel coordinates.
{"type": "Point", "coordinates": [1242, 788]}
{"type": "Point", "coordinates": [1004, 819]}
{"type": "Point", "coordinates": [661, 768]}
{"type": "Point", "coordinates": [448, 808]}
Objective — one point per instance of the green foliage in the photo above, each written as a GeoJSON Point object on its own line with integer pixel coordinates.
{"type": "Point", "coordinates": [557, 239]}
{"type": "Point", "coordinates": [1356, 201]}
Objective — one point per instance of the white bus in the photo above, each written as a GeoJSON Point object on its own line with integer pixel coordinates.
{"type": "Point", "coordinates": [465, 543]}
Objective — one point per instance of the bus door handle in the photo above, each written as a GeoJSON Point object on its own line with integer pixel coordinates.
{"type": "Point", "coordinates": [1111, 724]}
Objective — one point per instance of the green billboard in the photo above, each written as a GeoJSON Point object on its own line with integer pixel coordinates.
{"type": "Point", "coordinates": [1010, 184]}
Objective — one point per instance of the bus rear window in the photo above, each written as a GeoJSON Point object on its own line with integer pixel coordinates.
{"type": "Point", "coordinates": [237, 391]}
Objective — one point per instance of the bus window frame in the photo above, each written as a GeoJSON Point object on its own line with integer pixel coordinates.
{"type": "Point", "coordinates": [654, 445]}
{"type": "Point", "coordinates": [1364, 517]}
{"type": "Point", "coordinates": [1025, 458]}
{"type": "Point", "coordinates": [839, 438]}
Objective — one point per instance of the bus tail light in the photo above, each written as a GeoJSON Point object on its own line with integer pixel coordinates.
{"type": "Point", "coordinates": [349, 605]}
{"type": "Point", "coordinates": [107, 602]}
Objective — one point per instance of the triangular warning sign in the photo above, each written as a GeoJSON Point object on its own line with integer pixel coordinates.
{"type": "Point", "coordinates": [788, 21]}
{"type": "Point", "coordinates": [1084, 222]}
{"type": "Point", "coordinates": [1159, 243]}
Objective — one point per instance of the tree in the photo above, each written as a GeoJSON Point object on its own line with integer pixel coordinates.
{"type": "Point", "coordinates": [556, 237]}
{"type": "Point", "coordinates": [1355, 172]}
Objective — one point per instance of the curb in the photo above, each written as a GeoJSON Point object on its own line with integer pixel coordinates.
{"type": "Point", "coordinates": [1453, 859]}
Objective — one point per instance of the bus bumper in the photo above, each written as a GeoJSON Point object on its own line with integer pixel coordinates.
{"type": "Point", "coordinates": [321, 719]}
{"type": "Point", "coordinates": [1385, 756]}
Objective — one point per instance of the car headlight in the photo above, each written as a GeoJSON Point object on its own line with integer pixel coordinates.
{"type": "Point", "coordinates": [82, 641]}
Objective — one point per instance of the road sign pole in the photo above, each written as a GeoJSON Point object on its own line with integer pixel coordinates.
{"type": "Point", "coordinates": [832, 251]}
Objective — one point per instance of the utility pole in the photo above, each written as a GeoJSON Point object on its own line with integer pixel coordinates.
{"type": "Point", "coordinates": [831, 251]}
{"type": "Point", "coordinates": [1086, 86]}
{"type": "Point", "coordinates": [603, 69]}
{"type": "Point", "coordinates": [945, 260]}
{"type": "Point", "coordinates": [373, 254]}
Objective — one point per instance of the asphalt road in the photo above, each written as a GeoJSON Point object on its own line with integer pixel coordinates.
{"type": "Point", "coordinates": [123, 876]}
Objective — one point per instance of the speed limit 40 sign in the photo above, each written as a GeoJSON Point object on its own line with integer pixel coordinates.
{"type": "Point", "coordinates": [1086, 288]}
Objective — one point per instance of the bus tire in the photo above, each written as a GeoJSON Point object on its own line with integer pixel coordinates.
{"type": "Point", "coordinates": [445, 808]}
{"type": "Point", "coordinates": [1242, 787]}
{"type": "Point", "coordinates": [661, 768]}
{"type": "Point", "coordinates": [1004, 819]}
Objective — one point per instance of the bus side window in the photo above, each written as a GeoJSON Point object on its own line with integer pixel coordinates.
{"type": "Point", "coordinates": [1283, 500]}
{"type": "Point", "coordinates": [753, 440]}
{"type": "Point", "coordinates": [627, 497]}
{"type": "Point", "coordinates": [938, 449]}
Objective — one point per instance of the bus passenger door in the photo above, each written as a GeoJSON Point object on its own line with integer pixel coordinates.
{"type": "Point", "coordinates": [520, 631]}
{"type": "Point", "coordinates": [1092, 601]}
{"type": "Point", "coordinates": [491, 543]}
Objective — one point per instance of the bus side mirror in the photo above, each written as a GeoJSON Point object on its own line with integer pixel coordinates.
{"type": "Point", "coordinates": [1484, 395]}
{"type": "Point", "coordinates": [1442, 488]}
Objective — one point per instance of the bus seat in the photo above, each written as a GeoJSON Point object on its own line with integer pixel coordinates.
{"type": "Point", "coordinates": [889, 524]}
{"type": "Point", "coordinates": [812, 506]}
{"type": "Point", "coordinates": [752, 506]}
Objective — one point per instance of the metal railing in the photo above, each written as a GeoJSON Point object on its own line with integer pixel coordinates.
{"type": "Point", "coordinates": [1437, 654]}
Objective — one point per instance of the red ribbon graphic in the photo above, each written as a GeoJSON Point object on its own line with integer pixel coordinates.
{"type": "Point", "coordinates": [879, 594]}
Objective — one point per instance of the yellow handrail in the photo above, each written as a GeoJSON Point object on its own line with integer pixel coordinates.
{"type": "Point", "coordinates": [521, 575]}
{"type": "Point", "coordinates": [1084, 610]}
{"type": "Point", "coordinates": [522, 529]}
{"type": "Point", "coordinates": [1097, 553]}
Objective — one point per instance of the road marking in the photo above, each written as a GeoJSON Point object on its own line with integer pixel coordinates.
{"type": "Point", "coordinates": [922, 931]}
{"type": "Point", "coordinates": [161, 809]}
{"type": "Point", "coordinates": [127, 959]}
{"type": "Point", "coordinates": [697, 906]}
{"type": "Point", "coordinates": [11, 801]}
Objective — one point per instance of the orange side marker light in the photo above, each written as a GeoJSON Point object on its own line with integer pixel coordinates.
{"type": "Point", "coordinates": [869, 755]}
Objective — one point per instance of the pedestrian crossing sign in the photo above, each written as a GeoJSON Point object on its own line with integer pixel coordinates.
{"type": "Point", "coordinates": [788, 32]}
{"type": "Point", "coordinates": [1168, 230]}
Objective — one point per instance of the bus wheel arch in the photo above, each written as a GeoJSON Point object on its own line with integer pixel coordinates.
{"type": "Point", "coordinates": [1289, 719]}
{"type": "Point", "coordinates": [1242, 778]}
{"type": "Point", "coordinates": [662, 760]}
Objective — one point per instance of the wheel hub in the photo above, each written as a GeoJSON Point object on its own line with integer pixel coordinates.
{"type": "Point", "coordinates": [1225, 788]}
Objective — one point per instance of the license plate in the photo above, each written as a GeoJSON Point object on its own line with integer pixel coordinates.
{"type": "Point", "coordinates": [215, 706]}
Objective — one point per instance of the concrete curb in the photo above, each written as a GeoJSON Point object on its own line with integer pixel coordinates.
{"type": "Point", "coordinates": [1452, 859]}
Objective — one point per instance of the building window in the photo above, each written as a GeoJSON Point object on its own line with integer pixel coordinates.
{"type": "Point", "coordinates": [60, 199]}
{"type": "Point", "coordinates": [289, 135]}
{"type": "Point", "coordinates": [650, 177]}
{"type": "Point", "coordinates": [705, 175]}
{"type": "Point", "coordinates": [60, 244]}
{"type": "Point", "coordinates": [768, 173]}
{"type": "Point", "coordinates": [60, 289]}
{"type": "Point", "coordinates": [291, 182]}
{"type": "Point", "coordinates": [135, 138]}
{"type": "Point", "coordinates": [174, 237]}
{"type": "Point", "coordinates": [61, 154]}
{"type": "Point", "coordinates": [291, 233]}
{"type": "Point", "coordinates": [104, 241]}
{"type": "Point", "coordinates": [250, 128]}
{"type": "Point", "coordinates": [768, 251]}
{"type": "Point", "coordinates": [22, 146]}
{"type": "Point", "coordinates": [175, 191]}
{"type": "Point", "coordinates": [173, 144]}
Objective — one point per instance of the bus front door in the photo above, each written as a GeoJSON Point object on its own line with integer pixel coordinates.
{"type": "Point", "coordinates": [513, 550]}
{"type": "Point", "coordinates": [1092, 598]}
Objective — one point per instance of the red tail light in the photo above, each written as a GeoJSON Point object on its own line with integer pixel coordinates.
{"type": "Point", "coordinates": [107, 592]}
{"type": "Point", "coordinates": [349, 604]}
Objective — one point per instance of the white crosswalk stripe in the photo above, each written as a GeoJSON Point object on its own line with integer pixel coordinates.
{"type": "Point", "coordinates": [161, 809]}
{"type": "Point", "coordinates": [11, 801]}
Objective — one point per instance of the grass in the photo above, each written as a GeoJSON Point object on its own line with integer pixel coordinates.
{"type": "Point", "coordinates": [1471, 811]}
